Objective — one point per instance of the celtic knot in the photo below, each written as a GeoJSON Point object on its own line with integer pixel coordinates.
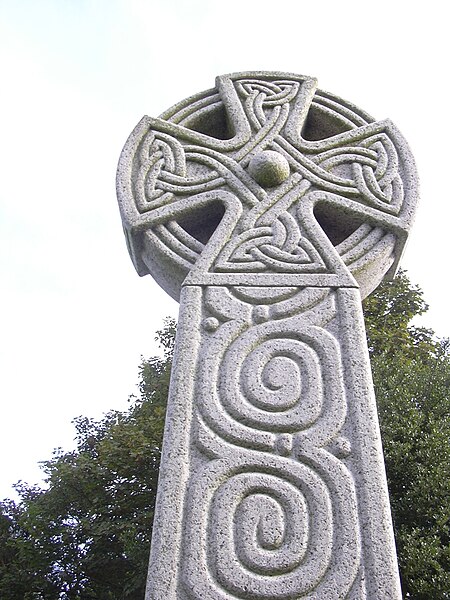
{"type": "Point", "coordinates": [280, 247]}
{"type": "Point", "coordinates": [160, 156]}
{"type": "Point", "coordinates": [357, 172]}
{"type": "Point", "coordinates": [372, 166]}
{"type": "Point", "coordinates": [272, 93]}
{"type": "Point", "coordinates": [164, 172]}
{"type": "Point", "coordinates": [265, 99]}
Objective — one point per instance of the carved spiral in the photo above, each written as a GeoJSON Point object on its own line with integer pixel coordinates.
{"type": "Point", "coordinates": [274, 382]}
{"type": "Point", "coordinates": [282, 377]}
{"type": "Point", "coordinates": [267, 534]}
{"type": "Point", "coordinates": [271, 511]}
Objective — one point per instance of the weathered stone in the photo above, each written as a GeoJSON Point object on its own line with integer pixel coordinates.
{"type": "Point", "coordinates": [269, 208]}
{"type": "Point", "coordinates": [269, 168]}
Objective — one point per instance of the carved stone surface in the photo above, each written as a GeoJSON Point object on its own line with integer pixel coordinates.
{"type": "Point", "coordinates": [268, 208]}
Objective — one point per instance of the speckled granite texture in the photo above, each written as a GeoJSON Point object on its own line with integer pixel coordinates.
{"type": "Point", "coordinates": [269, 208]}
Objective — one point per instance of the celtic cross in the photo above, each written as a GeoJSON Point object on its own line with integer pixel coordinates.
{"type": "Point", "coordinates": [268, 208]}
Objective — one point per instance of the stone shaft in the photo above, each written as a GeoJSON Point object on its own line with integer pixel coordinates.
{"type": "Point", "coordinates": [272, 482]}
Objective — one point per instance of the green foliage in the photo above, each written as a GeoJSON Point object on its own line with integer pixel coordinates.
{"type": "Point", "coordinates": [88, 534]}
{"type": "Point", "coordinates": [411, 372]}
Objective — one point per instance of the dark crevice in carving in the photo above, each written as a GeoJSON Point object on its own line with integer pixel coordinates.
{"type": "Point", "coordinates": [337, 225]}
{"type": "Point", "coordinates": [212, 121]}
{"type": "Point", "coordinates": [202, 222]}
{"type": "Point", "coordinates": [321, 124]}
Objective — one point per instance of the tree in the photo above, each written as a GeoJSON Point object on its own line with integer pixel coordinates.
{"type": "Point", "coordinates": [88, 534]}
{"type": "Point", "coordinates": [411, 371]}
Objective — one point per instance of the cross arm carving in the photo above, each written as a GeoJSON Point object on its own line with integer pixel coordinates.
{"type": "Point", "coordinates": [199, 156]}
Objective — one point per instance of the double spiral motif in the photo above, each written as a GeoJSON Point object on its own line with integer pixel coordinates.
{"type": "Point", "coordinates": [271, 505]}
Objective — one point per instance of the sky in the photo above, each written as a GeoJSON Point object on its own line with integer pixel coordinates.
{"type": "Point", "coordinates": [77, 76]}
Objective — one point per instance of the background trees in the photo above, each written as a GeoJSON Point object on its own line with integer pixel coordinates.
{"type": "Point", "coordinates": [87, 536]}
{"type": "Point", "coordinates": [411, 372]}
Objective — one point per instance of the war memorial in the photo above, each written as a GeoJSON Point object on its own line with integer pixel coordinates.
{"type": "Point", "coordinates": [269, 209]}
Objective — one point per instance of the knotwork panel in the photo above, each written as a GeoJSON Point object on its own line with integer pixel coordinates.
{"type": "Point", "coordinates": [266, 174]}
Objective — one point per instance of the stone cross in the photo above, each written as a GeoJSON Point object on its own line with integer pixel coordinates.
{"type": "Point", "coordinates": [269, 208]}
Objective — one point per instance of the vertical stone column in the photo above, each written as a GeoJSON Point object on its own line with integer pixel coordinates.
{"type": "Point", "coordinates": [272, 481]}
{"type": "Point", "coordinates": [268, 208]}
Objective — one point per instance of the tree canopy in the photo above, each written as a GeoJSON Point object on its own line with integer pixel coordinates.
{"type": "Point", "coordinates": [87, 534]}
{"type": "Point", "coordinates": [411, 372]}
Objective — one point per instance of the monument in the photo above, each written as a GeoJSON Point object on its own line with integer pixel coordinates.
{"type": "Point", "coordinates": [268, 208]}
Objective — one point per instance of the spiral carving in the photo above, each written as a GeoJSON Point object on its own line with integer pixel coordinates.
{"type": "Point", "coordinates": [280, 377]}
{"type": "Point", "coordinates": [265, 521]}
{"type": "Point", "coordinates": [273, 378]}
{"type": "Point", "coordinates": [269, 534]}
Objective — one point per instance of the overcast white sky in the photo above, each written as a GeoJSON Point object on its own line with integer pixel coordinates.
{"type": "Point", "coordinates": [76, 77]}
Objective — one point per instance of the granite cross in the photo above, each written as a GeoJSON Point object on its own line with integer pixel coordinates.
{"type": "Point", "coordinates": [269, 208]}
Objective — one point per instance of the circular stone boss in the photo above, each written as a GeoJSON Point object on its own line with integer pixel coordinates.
{"type": "Point", "coordinates": [266, 156]}
{"type": "Point", "coordinates": [269, 168]}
